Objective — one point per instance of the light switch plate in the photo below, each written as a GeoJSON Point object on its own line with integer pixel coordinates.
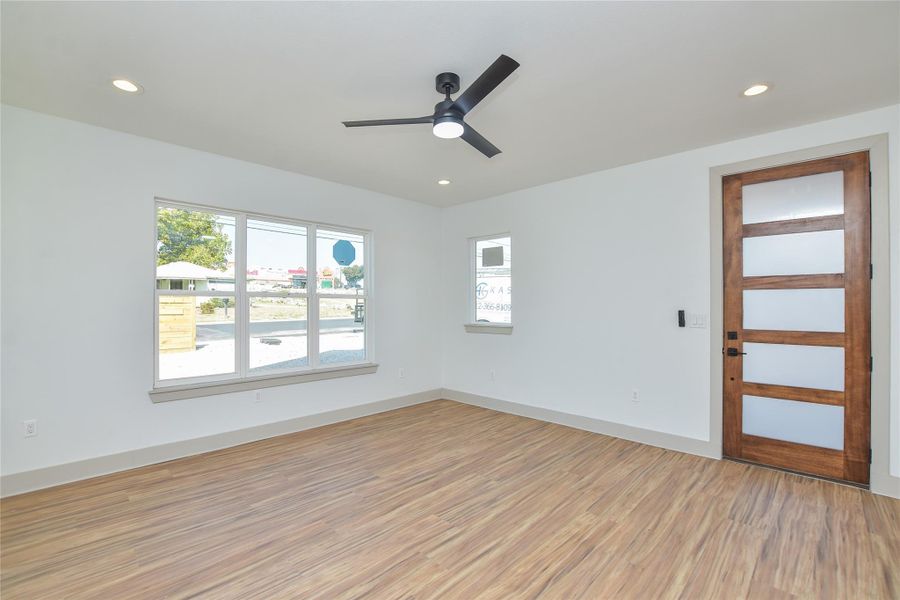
{"type": "Point", "coordinates": [698, 320]}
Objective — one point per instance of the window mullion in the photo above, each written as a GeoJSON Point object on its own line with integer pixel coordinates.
{"type": "Point", "coordinates": [156, 378]}
{"type": "Point", "coordinates": [196, 293]}
{"type": "Point", "coordinates": [368, 267]}
{"type": "Point", "coordinates": [242, 314]}
{"type": "Point", "coordinates": [312, 306]}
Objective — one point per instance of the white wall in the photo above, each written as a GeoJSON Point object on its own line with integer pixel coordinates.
{"type": "Point", "coordinates": [77, 293]}
{"type": "Point", "coordinates": [895, 306]}
{"type": "Point", "coordinates": [635, 242]}
{"type": "Point", "coordinates": [77, 208]}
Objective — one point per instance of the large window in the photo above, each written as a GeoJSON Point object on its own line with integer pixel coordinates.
{"type": "Point", "coordinates": [241, 295]}
{"type": "Point", "coordinates": [492, 280]}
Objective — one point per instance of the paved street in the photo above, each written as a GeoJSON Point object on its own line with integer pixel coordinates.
{"type": "Point", "coordinates": [209, 332]}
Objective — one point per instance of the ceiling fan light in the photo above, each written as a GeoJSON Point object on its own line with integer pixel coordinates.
{"type": "Point", "coordinates": [447, 128]}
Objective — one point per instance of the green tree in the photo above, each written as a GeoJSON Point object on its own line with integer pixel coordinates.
{"type": "Point", "coordinates": [353, 274]}
{"type": "Point", "coordinates": [191, 236]}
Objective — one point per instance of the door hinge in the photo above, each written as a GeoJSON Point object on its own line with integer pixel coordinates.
{"type": "Point", "coordinates": [870, 180]}
{"type": "Point", "coordinates": [871, 364]}
{"type": "Point", "coordinates": [871, 271]}
{"type": "Point", "coordinates": [870, 456]}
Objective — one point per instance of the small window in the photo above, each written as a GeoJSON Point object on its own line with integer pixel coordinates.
{"type": "Point", "coordinates": [492, 280]}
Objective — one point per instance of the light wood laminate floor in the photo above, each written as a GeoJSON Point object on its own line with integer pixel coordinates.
{"type": "Point", "coordinates": [444, 500]}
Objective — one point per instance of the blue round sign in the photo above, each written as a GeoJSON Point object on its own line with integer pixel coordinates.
{"type": "Point", "coordinates": [344, 252]}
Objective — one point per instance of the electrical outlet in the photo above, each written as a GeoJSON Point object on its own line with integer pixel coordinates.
{"type": "Point", "coordinates": [30, 427]}
{"type": "Point", "coordinates": [635, 395]}
{"type": "Point", "coordinates": [257, 397]}
{"type": "Point", "coordinates": [400, 373]}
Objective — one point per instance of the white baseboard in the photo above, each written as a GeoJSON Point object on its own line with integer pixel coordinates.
{"type": "Point", "coordinates": [635, 434]}
{"type": "Point", "coordinates": [883, 483]}
{"type": "Point", "coordinates": [27, 481]}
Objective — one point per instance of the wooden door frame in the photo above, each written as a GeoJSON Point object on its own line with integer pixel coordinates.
{"type": "Point", "coordinates": [881, 480]}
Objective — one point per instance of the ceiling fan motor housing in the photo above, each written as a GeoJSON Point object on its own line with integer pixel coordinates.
{"type": "Point", "coordinates": [446, 83]}
{"type": "Point", "coordinates": [447, 111]}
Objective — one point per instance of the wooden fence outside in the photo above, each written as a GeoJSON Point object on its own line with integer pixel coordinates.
{"type": "Point", "coordinates": [177, 323]}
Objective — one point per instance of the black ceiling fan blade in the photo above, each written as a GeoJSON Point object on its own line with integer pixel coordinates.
{"type": "Point", "coordinates": [376, 122]}
{"type": "Point", "coordinates": [479, 142]}
{"type": "Point", "coordinates": [486, 82]}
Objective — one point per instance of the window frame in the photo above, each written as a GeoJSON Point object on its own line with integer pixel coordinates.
{"type": "Point", "coordinates": [472, 325]}
{"type": "Point", "coordinates": [241, 372]}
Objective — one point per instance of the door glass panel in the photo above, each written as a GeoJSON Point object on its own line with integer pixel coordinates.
{"type": "Point", "coordinates": [801, 422]}
{"type": "Point", "coordinates": [794, 310]}
{"type": "Point", "coordinates": [818, 367]}
{"type": "Point", "coordinates": [796, 198]}
{"type": "Point", "coordinates": [795, 253]}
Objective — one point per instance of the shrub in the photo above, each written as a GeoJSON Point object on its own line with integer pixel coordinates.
{"type": "Point", "coordinates": [221, 302]}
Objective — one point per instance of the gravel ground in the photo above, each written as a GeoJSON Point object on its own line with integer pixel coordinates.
{"type": "Point", "coordinates": [218, 356]}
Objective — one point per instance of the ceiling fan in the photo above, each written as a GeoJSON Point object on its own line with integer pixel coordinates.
{"type": "Point", "coordinates": [447, 120]}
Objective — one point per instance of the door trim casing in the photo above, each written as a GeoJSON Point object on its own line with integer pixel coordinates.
{"type": "Point", "coordinates": [881, 480]}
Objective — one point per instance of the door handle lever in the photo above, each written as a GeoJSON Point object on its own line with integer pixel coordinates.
{"type": "Point", "coordinates": [734, 352]}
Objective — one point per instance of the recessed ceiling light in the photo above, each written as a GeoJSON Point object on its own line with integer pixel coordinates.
{"type": "Point", "coordinates": [756, 90]}
{"type": "Point", "coordinates": [127, 86]}
{"type": "Point", "coordinates": [443, 182]}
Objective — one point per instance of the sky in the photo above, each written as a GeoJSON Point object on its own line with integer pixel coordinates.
{"type": "Point", "coordinates": [283, 246]}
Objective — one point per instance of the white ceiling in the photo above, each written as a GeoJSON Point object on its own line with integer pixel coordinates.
{"type": "Point", "coordinates": [601, 84]}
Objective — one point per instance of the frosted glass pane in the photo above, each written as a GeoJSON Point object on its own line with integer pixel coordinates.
{"type": "Point", "coordinates": [794, 310]}
{"type": "Point", "coordinates": [820, 367]}
{"type": "Point", "coordinates": [796, 198]}
{"type": "Point", "coordinates": [794, 253]}
{"type": "Point", "coordinates": [801, 422]}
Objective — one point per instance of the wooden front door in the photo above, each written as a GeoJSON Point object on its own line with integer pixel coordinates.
{"type": "Point", "coordinates": [796, 342]}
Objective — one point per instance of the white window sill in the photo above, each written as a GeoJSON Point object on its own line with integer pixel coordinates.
{"type": "Point", "coordinates": [502, 328]}
{"type": "Point", "coordinates": [196, 390]}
